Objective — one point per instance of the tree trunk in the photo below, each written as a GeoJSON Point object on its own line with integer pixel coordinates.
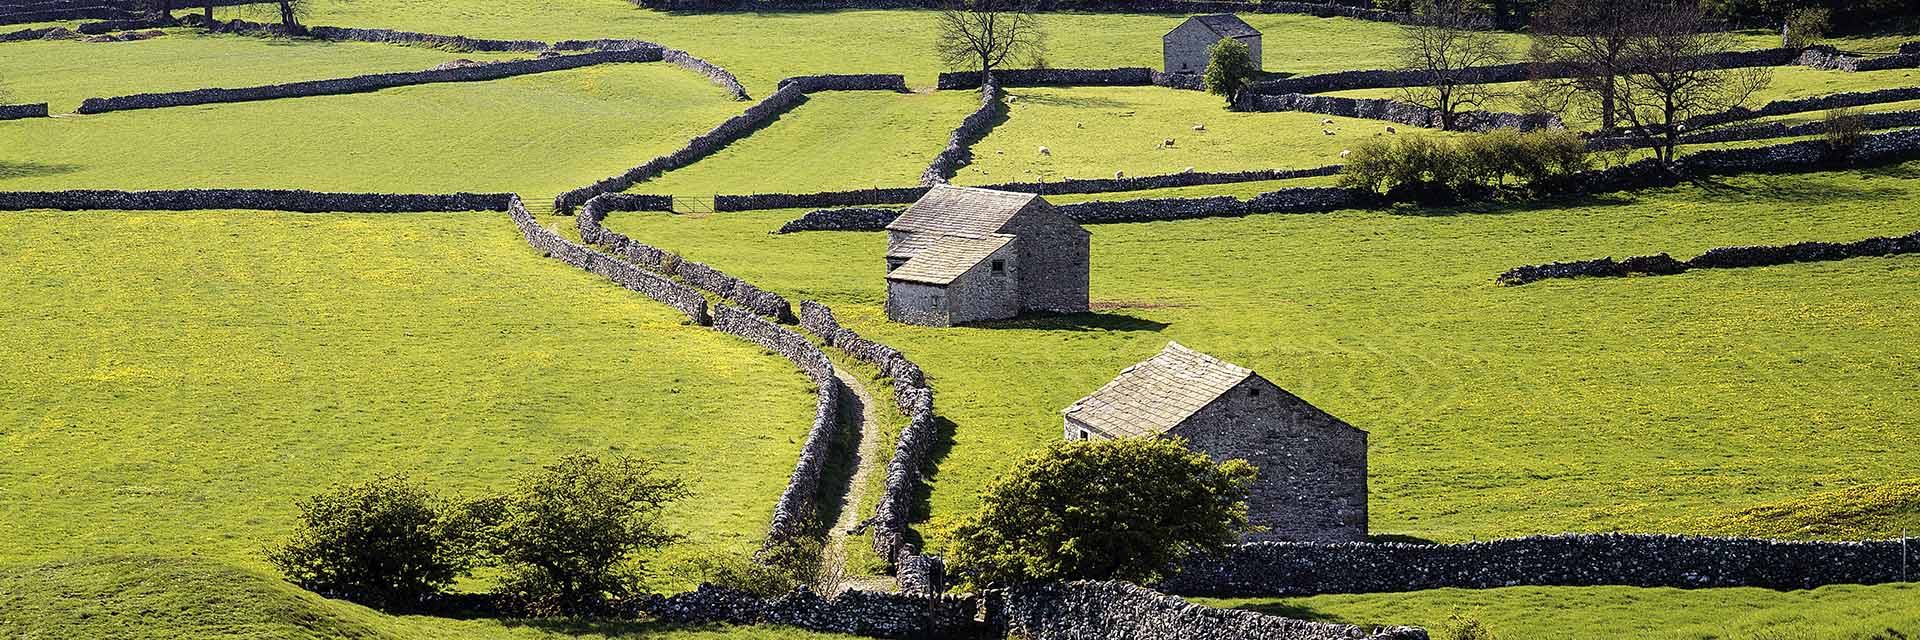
{"type": "Point", "coordinates": [287, 20]}
{"type": "Point", "coordinates": [1607, 105]}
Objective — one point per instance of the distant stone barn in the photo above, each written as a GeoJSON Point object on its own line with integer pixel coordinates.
{"type": "Point", "coordinates": [1184, 49]}
{"type": "Point", "coordinates": [962, 255]}
{"type": "Point", "coordinates": [1312, 485]}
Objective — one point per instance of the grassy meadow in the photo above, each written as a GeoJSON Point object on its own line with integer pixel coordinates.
{"type": "Point", "coordinates": [177, 380]}
{"type": "Point", "coordinates": [62, 73]}
{"type": "Point", "coordinates": [1492, 411]}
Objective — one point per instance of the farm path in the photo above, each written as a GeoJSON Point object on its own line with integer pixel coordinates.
{"type": "Point", "coordinates": [866, 457]}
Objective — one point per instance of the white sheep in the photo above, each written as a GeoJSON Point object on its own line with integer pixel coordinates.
{"type": "Point", "coordinates": [1200, 127]}
{"type": "Point", "coordinates": [1346, 152]}
{"type": "Point", "coordinates": [1079, 125]}
{"type": "Point", "coordinates": [1187, 170]}
{"type": "Point", "coordinates": [1326, 121]}
{"type": "Point", "coordinates": [1327, 131]}
{"type": "Point", "coordinates": [1045, 151]}
{"type": "Point", "coordinates": [1119, 174]}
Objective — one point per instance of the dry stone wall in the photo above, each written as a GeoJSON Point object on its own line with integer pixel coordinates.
{"type": "Point", "coordinates": [959, 150]}
{"type": "Point", "coordinates": [863, 613]}
{"type": "Point", "coordinates": [1801, 105]}
{"type": "Point", "coordinates": [18, 111]}
{"type": "Point", "coordinates": [705, 145]}
{"type": "Point", "coordinates": [1514, 72]}
{"type": "Point", "coordinates": [360, 84]}
{"type": "Point", "coordinates": [1766, 131]}
{"type": "Point", "coordinates": [847, 82]}
{"type": "Point", "coordinates": [257, 199]}
{"type": "Point", "coordinates": [1831, 59]}
{"type": "Point", "coordinates": [1290, 200]}
{"type": "Point", "coordinates": [907, 195]}
{"type": "Point", "coordinates": [1269, 569]}
{"type": "Point", "coordinates": [853, 198]}
{"type": "Point", "coordinates": [1121, 77]}
{"type": "Point", "coordinates": [626, 274]}
{"type": "Point", "coordinates": [699, 275]}
{"type": "Point", "coordinates": [1318, 9]}
{"type": "Point", "coordinates": [1113, 610]}
{"type": "Point", "coordinates": [1720, 258]}
{"type": "Point", "coordinates": [1405, 113]}
{"type": "Point", "coordinates": [55, 10]}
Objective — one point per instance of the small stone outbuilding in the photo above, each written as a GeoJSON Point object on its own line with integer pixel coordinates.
{"type": "Point", "coordinates": [962, 255]}
{"type": "Point", "coordinates": [1312, 485]}
{"type": "Point", "coordinates": [1185, 48]}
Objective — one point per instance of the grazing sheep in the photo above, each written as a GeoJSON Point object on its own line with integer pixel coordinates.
{"type": "Point", "coordinates": [1326, 121]}
{"type": "Point", "coordinates": [1391, 130]}
{"type": "Point", "coordinates": [1346, 152]}
{"type": "Point", "coordinates": [1045, 151]}
{"type": "Point", "coordinates": [1327, 131]}
{"type": "Point", "coordinates": [1079, 125]}
{"type": "Point", "coordinates": [999, 152]}
{"type": "Point", "coordinates": [1200, 127]}
{"type": "Point", "coordinates": [1119, 174]}
{"type": "Point", "coordinates": [1167, 143]}
{"type": "Point", "coordinates": [1187, 170]}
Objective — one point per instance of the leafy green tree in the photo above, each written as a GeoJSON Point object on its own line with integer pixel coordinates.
{"type": "Point", "coordinates": [567, 535]}
{"type": "Point", "coordinates": [383, 543]}
{"type": "Point", "coordinates": [1122, 509]}
{"type": "Point", "coordinates": [1230, 68]}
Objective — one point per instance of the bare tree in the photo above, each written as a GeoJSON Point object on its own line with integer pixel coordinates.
{"type": "Point", "coordinates": [984, 35]}
{"type": "Point", "coordinates": [1442, 41]}
{"type": "Point", "coordinates": [1579, 52]}
{"type": "Point", "coordinates": [1670, 79]}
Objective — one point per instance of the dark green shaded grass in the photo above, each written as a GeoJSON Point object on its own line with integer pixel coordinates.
{"type": "Point", "coordinates": [1844, 612]}
{"type": "Point", "coordinates": [1581, 405]}
{"type": "Point", "coordinates": [175, 381]}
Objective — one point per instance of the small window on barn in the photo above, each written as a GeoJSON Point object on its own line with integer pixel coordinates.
{"type": "Point", "coordinates": [1254, 392]}
{"type": "Point", "coordinates": [999, 266]}
{"type": "Point", "coordinates": [1084, 435]}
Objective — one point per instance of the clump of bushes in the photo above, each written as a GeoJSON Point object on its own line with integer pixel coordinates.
{"type": "Point", "coordinates": [1845, 127]}
{"type": "Point", "coordinates": [1472, 167]}
{"type": "Point", "coordinates": [564, 538]}
{"type": "Point", "coordinates": [777, 571]}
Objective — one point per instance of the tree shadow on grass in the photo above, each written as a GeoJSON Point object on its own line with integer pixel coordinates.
{"type": "Point", "coordinates": [34, 169]}
{"type": "Point", "coordinates": [1582, 201]}
{"type": "Point", "coordinates": [1796, 189]}
{"type": "Point", "coordinates": [1092, 321]}
{"type": "Point", "coordinates": [1076, 102]}
{"type": "Point", "coordinates": [1400, 538]}
{"type": "Point", "coordinates": [1291, 610]}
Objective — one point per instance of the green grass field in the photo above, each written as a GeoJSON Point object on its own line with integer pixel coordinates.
{"type": "Point", "coordinates": [1577, 613]}
{"type": "Point", "coordinates": [835, 141]}
{"type": "Point", "coordinates": [64, 72]}
{"type": "Point", "coordinates": [1493, 411]}
{"type": "Point", "coordinates": [537, 134]}
{"type": "Point", "coordinates": [177, 380]}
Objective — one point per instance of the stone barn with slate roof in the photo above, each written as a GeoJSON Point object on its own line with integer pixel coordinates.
{"type": "Point", "coordinates": [1184, 49]}
{"type": "Point", "coordinates": [1312, 485]}
{"type": "Point", "coordinates": [962, 255]}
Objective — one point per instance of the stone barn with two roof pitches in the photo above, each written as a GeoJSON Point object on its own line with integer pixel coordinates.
{"type": "Point", "coordinates": [1185, 48]}
{"type": "Point", "coordinates": [1312, 485]}
{"type": "Point", "coordinates": [962, 255]}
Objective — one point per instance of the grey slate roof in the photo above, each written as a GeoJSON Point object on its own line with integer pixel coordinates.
{"type": "Point", "coordinates": [946, 258]}
{"type": "Point", "coordinates": [1154, 396]}
{"type": "Point", "coordinates": [1228, 25]}
{"type": "Point", "coordinates": [961, 211]}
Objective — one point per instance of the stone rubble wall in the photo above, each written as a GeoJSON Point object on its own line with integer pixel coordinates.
{"type": "Point", "coordinates": [1318, 9]}
{"type": "Point", "coordinates": [1802, 105]}
{"type": "Point", "coordinates": [1405, 113]}
{"type": "Point", "coordinates": [715, 73]}
{"type": "Point", "coordinates": [959, 150]}
{"type": "Point", "coordinates": [1512, 72]}
{"type": "Point", "coordinates": [1831, 59]}
{"type": "Point", "coordinates": [697, 274]}
{"type": "Point", "coordinates": [42, 33]}
{"type": "Point", "coordinates": [18, 111]}
{"type": "Point", "coordinates": [372, 82]}
{"type": "Point", "coordinates": [1806, 155]}
{"type": "Point", "coordinates": [621, 272]}
{"type": "Point", "coordinates": [1719, 258]}
{"type": "Point", "coordinates": [1121, 77]}
{"type": "Point", "coordinates": [849, 219]}
{"type": "Point", "coordinates": [848, 82]}
{"type": "Point", "coordinates": [854, 612]}
{"type": "Point", "coordinates": [799, 504]}
{"type": "Point", "coordinates": [1767, 131]}
{"type": "Point", "coordinates": [1270, 569]}
{"type": "Point", "coordinates": [298, 201]}
{"type": "Point", "coordinates": [907, 195]}
{"type": "Point", "coordinates": [1089, 610]}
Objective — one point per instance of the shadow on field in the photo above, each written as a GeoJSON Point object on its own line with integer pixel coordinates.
{"type": "Point", "coordinates": [612, 629]}
{"type": "Point", "coordinates": [1290, 610]}
{"type": "Point", "coordinates": [1398, 538]}
{"type": "Point", "coordinates": [1056, 100]}
{"type": "Point", "coordinates": [1094, 321]}
{"type": "Point", "coordinates": [943, 430]}
{"type": "Point", "coordinates": [34, 169]}
{"type": "Point", "coordinates": [1798, 190]}
{"type": "Point", "coordinates": [1584, 201]}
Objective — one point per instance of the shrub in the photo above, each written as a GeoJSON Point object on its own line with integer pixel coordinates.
{"type": "Point", "coordinates": [1230, 66]}
{"type": "Point", "coordinates": [1124, 509]}
{"type": "Point", "coordinates": [567, 535]}
{"type": "Point", "coordinates": [781, 569]}
{"type": "Point", "coordinates": [383, 543]}
{"type": "Point", "coordinates": [1459, 627]}
{"type": "Point", "coordinates": [1845, 127]}
{"type": "Point", "coordinates": [1805, 26]}
{"type": "Point", "coordinates": [1474, 166]}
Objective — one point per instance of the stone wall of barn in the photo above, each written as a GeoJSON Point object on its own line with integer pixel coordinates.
{"type": "Point", "coordinates": [1057, 258]}
{"type": "Point", "coordinates": [1184, 49]}
{"type": "Point", "coordinates": [984, 294]}
{"type": "Point", "coordinates": [1312, 485]}
{"type": "Point", "coordinates": [918, 304]}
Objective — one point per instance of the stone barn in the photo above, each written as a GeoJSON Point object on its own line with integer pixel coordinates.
{"type": "Point", "coordinates": [1312, 485]}
{"type": "Point", "coordinates": [1184, 49]}
{"type": "Point", "coordinates": [962, 255]}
